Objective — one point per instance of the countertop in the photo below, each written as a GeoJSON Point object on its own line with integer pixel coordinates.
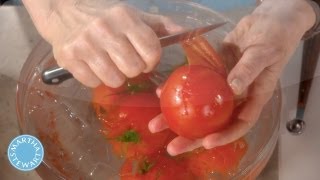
{"type": "Point", "coordinates": [295, 158]}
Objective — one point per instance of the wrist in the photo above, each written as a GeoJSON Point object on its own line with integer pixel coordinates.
{"type": "Point", "coordinates": [41, 11]}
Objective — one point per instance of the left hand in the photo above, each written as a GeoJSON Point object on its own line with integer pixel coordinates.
{"type": "Point", "coordinates": [264, 41]}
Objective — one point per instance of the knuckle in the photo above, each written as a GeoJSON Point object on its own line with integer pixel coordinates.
{"type": "Point", "coordinates": [67, 51]}
{"type": "Point", "coordinates": [101, 26]}
{"type": "Point", "coordinates": [98, 23]}
{"type": "Point", "coordinates": [82, 41]}
{"type": "Point", "coordinates": [120, 10]}
{"type": "Point", "coordinates": [128, 17]}
{"type": "Point", "coordinates": [96, 61]}
{"type": "Point", "coordinates": [64, 55]}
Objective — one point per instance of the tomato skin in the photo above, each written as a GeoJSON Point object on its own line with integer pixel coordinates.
{"type": "Point", "coordinates": [196, 101]}
{"type": "Point", "coordinates": [162, 167]}
{"type": "Point", "coordinates": [200, 52]}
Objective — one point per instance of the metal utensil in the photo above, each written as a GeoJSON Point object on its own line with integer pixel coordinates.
{"type": "Point", "coordinates": [310, 57]}
{"type": "Point", "coordinates": [57, 75]}
{"type": "Point", "coordinates": [176, 38]}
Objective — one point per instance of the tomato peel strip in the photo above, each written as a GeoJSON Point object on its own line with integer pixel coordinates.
{"type": "Point", "coordinates": [200, 52]}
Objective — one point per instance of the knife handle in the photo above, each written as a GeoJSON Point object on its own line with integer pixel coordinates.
{"type": "Point", "coordinates": [56, 75]}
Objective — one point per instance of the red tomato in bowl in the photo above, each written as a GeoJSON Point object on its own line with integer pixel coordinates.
{"type": "Point", "coordinates": [154, 167]}
{"type": "Point", "coordinates": [217, 163]}
{"type": "Point", "coordinates": [129, 134]}
{"type": "Point", "coordinates": [125, 113]}
{"type": "Point", "coordinates": [196, 101]}
{"type": "Point", "coordinates": [106, 99]}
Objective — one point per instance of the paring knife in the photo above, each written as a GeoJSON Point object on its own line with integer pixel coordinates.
{"type": "Point", "coordinates": [57, 75]}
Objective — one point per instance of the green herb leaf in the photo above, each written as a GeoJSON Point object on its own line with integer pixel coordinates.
{"type": "Point", "coordinates": [129, 136]}
{"type": "Point", "coordinates": [145, 167]}
{"type": "Point", "coordinates": [138, 87]}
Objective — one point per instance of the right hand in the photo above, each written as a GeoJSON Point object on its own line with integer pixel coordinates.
{"type": "Point", "coordinates": [263, 42]}
{"type": "Point", "coordinates": [105, 44]}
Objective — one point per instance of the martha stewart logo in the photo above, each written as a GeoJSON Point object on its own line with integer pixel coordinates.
{"type": "Point", "coordinates": [25, 152]}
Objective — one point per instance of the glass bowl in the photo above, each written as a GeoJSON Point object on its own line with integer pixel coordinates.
{"type": "Point", "coordinates": [61, 116]}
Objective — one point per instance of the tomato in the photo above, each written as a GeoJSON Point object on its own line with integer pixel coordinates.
{"type": "Point", "coordinates": [106, 99]}
{"type": "Point", "coordinates": [125, 113]}
{"type": "Point", "coordinates": [154, 167]}
{"type": "Point", "coordinates": [196, 101]}
{"type": "Point", "coordinates": [129, 134]}
{"type": "Point", "coordinates": [219, 162]}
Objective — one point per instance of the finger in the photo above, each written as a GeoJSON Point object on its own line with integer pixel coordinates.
{"type": "Point", "coordinates": [159, 90]}
{"type": "Point", "coordinates": [157, 124]}
{"type": "Point", "coordinates": [254, 60]}
{"type": "Point", "coordinates": [181, 145]}
{"type": "Point", "coordinates": [82, 72]}
{"type": "Point", "coordinates": [160, 24]}
{"type": "Point", "coordinates": [232, 133]}
{"type": "Point", "coordinates": [146, 43]}
{"type": "Point", "coordinates": [249, 112]}
{"type": "Point", "coordinates": [68, 59]}
{"type": "Point", "coordinates": [106, 70]}
{"type": "Point", "coordinates": [242, 124]}
{"type": "Point", "coordinates": [236, 36]}
{"type": "Point", "coordinates": [99, 62]}
{"type": "Point", "coordinates": [119, 48]}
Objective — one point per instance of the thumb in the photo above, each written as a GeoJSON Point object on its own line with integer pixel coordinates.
{"type": "Point", "coordinates": [162, 25]}
{"type": "Point", "coordinates": [250, 65]}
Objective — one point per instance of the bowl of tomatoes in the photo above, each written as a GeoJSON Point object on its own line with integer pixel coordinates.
{"type": "Point", "coordinates": [103, 133]}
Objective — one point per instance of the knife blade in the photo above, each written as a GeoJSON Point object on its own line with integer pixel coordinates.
{"type": "Point", "coordinates": [185, 35]}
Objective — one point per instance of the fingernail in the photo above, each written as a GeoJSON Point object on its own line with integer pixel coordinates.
{"type": "Point", "coordinates": [208, 145]}
{"type": "Point", "coordinates": [151, 127]}
{"type": "Point", "coordinates": [175, 28]}
{"type": "Point", "coordinates": [171, 151]}
{"type": "Point", "coordinates": [156, 124]}
{"type": "Point", "coordinates": [94, 83]}
{"type": "Point", "coordinates": [236, 86]}
{"type": "Point", "coordinates": [158, 92]}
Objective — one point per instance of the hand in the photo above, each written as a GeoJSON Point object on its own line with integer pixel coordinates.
{"type": "Point", "coordinates": [263, 41]}
{"type": "Point", "coordinates": [102, 42]}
